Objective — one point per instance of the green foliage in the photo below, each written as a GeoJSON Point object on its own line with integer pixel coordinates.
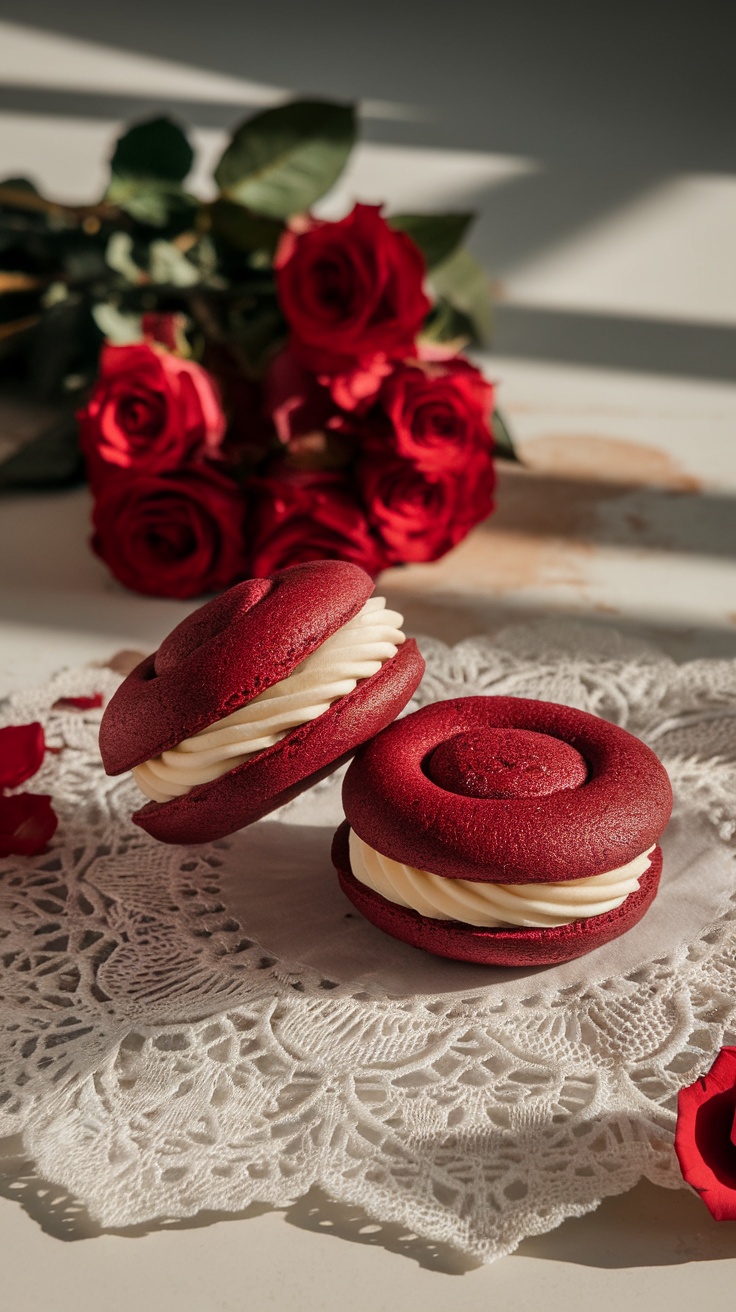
{"type": "Point", "coordinates": [155, 203]}
{"type": "Point", "coordinates": [52, 459]}
{"type": "Point", "coordinates": [258, 329]}
{"type": "Point", "coordinates": [464, 285]}
{"type": "Point", "coordinates": [156, 149]}
{"type": "Point", "coordinates": [71, 276]}
{"type": "Point", "coordinates": [149, 163]}
{"type": "Point", "coordinates": [242, 229]}
{"type": "Point", "coordinates": [23, 185]}
{"type": "Point", "coordinates": [436, 235]}
{"type": "Point", "coordinates": [63, 345]}
{"type": "Point", "coordinates": [504, 448]}
{"type": "Point", "coordinates": [281, 161]}
{"type": "Point", "coordinates": [447, 326]}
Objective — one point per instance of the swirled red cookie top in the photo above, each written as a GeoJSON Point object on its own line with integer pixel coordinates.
{"type": "Point", "coordinates": [509, 790]}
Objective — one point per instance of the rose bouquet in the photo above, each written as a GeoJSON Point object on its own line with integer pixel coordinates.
{"type": "Point", "coordinates": [254, 385]}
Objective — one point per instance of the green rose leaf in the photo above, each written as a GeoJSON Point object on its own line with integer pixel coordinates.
{"type": "Point", "coordinates": [436, 235]}
{"type": "Point", "coordinates": [20, 184]}
{"type": "Point", "coordinates": [447, 326]}
{"type": "Point", "coordinates": [156, 149]}
{"type": "Point", "coordinates": [52, 459]}
{"type": "Point", "coordinates": [503, 445]}
{"type": "Point", "coordinates": [117, 327]}
{"type": "Point", "coordinates": [242, 229]}
{"type": "Point", "coordinates": [258, 330]}
{"type": "Point", "coordinates": [464, 284]}
{"type": "Point", "coordinates": [23, 210]}
{"type": "Point", "coordinates": [281, 161]}
{"type": "Point", "coordinates": [154, 203]}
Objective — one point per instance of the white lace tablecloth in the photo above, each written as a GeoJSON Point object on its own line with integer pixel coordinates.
{"type": "Point", "coordinates": [187, 1029]}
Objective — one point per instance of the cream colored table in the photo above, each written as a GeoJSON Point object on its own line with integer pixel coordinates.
{"type": "Point", "coordinates": [622, 515]}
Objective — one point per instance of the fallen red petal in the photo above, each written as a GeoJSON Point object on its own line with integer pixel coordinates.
{"type": "Point", "coordinates": [27, 822]}
{"type": "Point", "coordinates": [79, 703]}
{"type": "Point", "coordinates": [22, 747]}
{"type": "Point", "coordinates": [705, 1137]}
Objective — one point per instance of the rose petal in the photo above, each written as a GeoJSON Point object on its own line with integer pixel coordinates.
{"type": "Point", "coordinates": [704, 1136]}
{"type": "Point", "coordinates": [27, 822]}
{"type": "Point", "coordinates": [22, 748]}
{"type": "Point", "coordinates": [78, 703]}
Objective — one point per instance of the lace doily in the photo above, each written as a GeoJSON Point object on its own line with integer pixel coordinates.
{"type": "Point", "coordinates": [203, 1028]}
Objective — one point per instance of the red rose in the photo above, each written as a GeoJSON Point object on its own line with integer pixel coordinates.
{"type": "Point", "coordinates": [421, 516]}
{"type": "Point", "coordinates": [435, 415]}
{"type": "Point", "coordinates": [166, 328]}
{"type": "Point", "coordinates": [27, 822]}
{"type": "Point", "coordinates": [351, 290]}
{"type": "Point", "coordinates": [356, 390]}
{"type": "Point", "coordinates": [294, 399]}
{"type": "Point", "coordinates": [149, 412]}
{"type": "Point", "coordinates": [705, 1137]}
{"type": "Point", "coordinates": [309, 516]}
{"type": "Point", "coordinates": [177, 535]}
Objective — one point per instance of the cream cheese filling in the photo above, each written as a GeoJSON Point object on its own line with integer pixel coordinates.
{"type": "Point", "coordinates": [354, 652]}
{"type": "Point", "coordinates": [495, 905]}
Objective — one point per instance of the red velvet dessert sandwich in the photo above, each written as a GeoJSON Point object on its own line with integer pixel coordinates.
{"type": "Point", "coordinates": [502, 830]}
{"type": "Point", "coordinates": [257, 695]}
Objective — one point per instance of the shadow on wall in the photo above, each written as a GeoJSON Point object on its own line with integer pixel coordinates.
{"type": "Point", "coordinates": [616, 341]}
{"type": "Point", "coordinates": [608, 102]}
{"type": "Point", "coordinates": [570, 81]}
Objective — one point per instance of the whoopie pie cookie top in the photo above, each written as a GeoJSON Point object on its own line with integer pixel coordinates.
{"type": "Point", "coordinates": [507, 790]}
{"type": "Point", "coordinates": [224, 654]}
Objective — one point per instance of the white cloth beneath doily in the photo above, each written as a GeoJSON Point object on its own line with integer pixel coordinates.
{"type": "Point", "coordinates": [204, 1028]}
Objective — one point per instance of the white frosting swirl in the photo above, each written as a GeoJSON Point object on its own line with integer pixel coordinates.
{"type": "Point", "coordinates": [494, 905]}
{"type": "Point", "coordinates": [356, 651]}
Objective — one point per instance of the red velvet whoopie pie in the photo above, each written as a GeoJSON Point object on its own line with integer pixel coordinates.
{"type": "Point", "coordinates": [256, 696]}
{"type": "Point", "coordinates": [503, 831]}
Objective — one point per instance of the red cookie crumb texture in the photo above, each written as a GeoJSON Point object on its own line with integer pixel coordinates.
{"type": "Point", "coordinates": [225, 654]}
{"type": "Point", "coordinates": [494, 947]}
{"type": "Point", "coordinates": [619, 809]}
{"type": "Point", "coordinates": [304, 756]}
{"type": "Point", "coordinates": [705, 1137]}
{"type": "Point", "coordinates": [505, 763]}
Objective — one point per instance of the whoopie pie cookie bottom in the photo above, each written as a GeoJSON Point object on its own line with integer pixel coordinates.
{"type": "Point", "coordinates": [494, 947]}
{"type": "Point", "coordinates": [506, 792]}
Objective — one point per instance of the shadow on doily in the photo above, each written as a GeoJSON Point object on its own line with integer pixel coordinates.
{"type": "Point", "coordinates": [62, 1216]}
{"type": "Point", "coordinates": [648, 1226]}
